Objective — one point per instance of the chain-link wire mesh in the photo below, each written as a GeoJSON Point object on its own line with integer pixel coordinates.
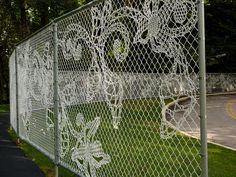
{"type": "Point", "coordinates": [12, 75]}
{"type": "Point", "coordinates": [119, 65]}
{"type": "Point", "coordinates": [35, 90]}
{"type": "Point", "coordinates": [221, 82]}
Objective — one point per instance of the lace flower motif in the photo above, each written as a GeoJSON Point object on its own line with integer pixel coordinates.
{"type": "Point", "coordinates": [89, 155]}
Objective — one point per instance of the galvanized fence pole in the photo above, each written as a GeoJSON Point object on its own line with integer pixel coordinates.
{"type": "Point", "coordinates": [56, 100]}
{"type": "Point", "coordinates": [17, 97]}
{"type": "Point", "coordinates": [202, 64]}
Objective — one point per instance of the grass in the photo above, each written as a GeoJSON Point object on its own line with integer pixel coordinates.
{"type": "Point", "coordinates": [222, 162]}
{"type": "Point", "coordinates": [139, 128]}
{"type": "Point", "coordinates": [4, 108]}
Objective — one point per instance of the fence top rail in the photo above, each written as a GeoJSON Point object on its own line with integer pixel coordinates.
{"type": "Point", "coordinates": [81, 8]}
{"type": "Point", "coordinates": [35, 33]}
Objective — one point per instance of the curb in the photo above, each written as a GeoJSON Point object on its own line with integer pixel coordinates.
{"type": "Point", "coordinates": [221, 94]}
{"type": "Point", "coordinates": [208, 141]}
{"type": "Point", "coordinates": [163, 111]}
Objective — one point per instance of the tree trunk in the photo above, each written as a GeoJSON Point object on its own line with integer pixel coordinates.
{"type": "Point", "coordinates": [23, 19]}
{"type": "Point", "coordinates": [1, 81]}
{"type": "Point", "coordinates": [44, 14]}
{"type": "Point", "coordinates": [13, 16]}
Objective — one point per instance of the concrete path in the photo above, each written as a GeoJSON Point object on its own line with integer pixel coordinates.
{"type": "Point", "coordinates": [13, 163]}
{"type": "Point", "coordinates": [221, 121]}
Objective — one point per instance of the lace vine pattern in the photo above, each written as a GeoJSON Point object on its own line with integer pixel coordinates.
{"type": "Point", "coordinates": [152, 28]}
{"type": "Point", "coordinates": [24, 101]}
{"type": "Point", "coordinates": [220, 82]}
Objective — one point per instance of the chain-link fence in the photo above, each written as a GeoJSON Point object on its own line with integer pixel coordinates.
{"type": "Point", "coordinates": [119, 63]}
{"type": "Point", "coordinates": [13, 99]}
{"type": "Point", "coordinates": [221, 82]}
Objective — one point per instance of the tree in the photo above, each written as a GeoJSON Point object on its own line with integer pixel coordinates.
{"type": "Point", "coordinates": [18, 19]}
{"type": "Point", "coordinates": [221, 35]}
{"type": "Point", "coordinates": [9, 24]}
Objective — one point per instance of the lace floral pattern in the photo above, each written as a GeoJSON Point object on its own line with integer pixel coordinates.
{"type": "Point", "coordinates": [158, 23]}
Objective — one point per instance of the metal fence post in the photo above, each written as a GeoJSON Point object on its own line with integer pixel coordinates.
{"type": "Point", "coordinates": [55, 82]}
{"type": "Point", "coordinates": [202, 64]}
{"type": "Point", "coordinates": [17, 97]}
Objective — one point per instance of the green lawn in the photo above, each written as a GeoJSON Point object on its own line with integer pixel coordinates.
{"type": "Point", "coordinates": [222, 162]}
{"type": "Point", "coordinates": [4, 108]}
{"type": "Point", "coordinates": [140, 128]}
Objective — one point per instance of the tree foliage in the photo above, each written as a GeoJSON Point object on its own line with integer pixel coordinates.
{"type": "Point", "coordinates": [221, 35]}
{"type": "Point", "coordinates": [20, 18]}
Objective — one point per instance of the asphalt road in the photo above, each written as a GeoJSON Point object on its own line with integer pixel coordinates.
{"type": "Point", "coordinates": [13, 163]}
{"type": "Point", "coordinates": [221, 121]}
